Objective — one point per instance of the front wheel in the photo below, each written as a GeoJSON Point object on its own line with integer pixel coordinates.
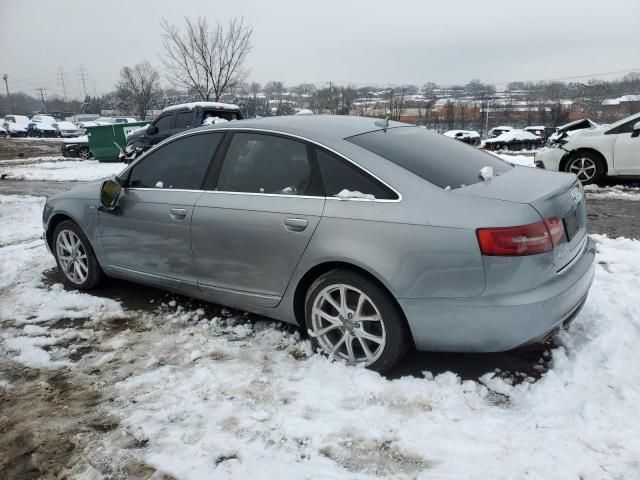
{"type": "Point", "coordinates": [75, 257]}
{"type": "Point", "coordinates": [84, 153]}
{"type": "Point", "coordinates": [587, 166]}
{"type": "Point", "coordinates": [353, 319]}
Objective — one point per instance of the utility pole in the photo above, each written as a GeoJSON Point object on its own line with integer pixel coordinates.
{"type": "Point", "coordinates": [83, 77]}
{"type": "Point", "coordinates": [5, 77]}
{"type": "Point", "coordinates": [42, 96]}
{"type": "Point", "coordinates": [64, 87]}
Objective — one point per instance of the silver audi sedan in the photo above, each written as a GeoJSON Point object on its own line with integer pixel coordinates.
{"type": "Point", "coordinates": [372, 236]}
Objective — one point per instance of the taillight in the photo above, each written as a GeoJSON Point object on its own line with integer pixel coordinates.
{"type": "Point", "coordinates": [529, 239]}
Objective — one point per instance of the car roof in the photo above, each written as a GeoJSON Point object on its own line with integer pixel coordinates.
{"type": "Point", "coordinates": [321, 128]}
{"type": "Point", "coordinates": [192, 105]}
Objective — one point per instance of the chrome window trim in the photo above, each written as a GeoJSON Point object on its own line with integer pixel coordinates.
{"type": "Point", "coordinates": [277, 132]}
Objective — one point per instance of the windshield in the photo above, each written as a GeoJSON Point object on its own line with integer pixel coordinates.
{"type": "Point", "coordinates": [441, 161]}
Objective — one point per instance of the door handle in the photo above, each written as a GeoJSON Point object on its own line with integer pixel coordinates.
{"type": "Point", "coordinates": [177, 213]}
{"type": "Point", "coordinates": [295, 224]}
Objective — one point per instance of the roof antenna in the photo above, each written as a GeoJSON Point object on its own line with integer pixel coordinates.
{"type": "Point", "coordinates": [384, 123]}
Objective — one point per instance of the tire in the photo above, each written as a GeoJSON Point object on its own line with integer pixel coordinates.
{"type": "Point", "coordinates": [587, 166]}
{"type": "Point", "coordinates": [84, 153]}
{"type": "Point", "coordinates": [333, 331]}
{"type": "Point", "coordinates": [82, 271]}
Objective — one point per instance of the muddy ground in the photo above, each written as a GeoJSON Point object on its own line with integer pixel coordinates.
{"type": "Point", "coordinates": [16, 148]}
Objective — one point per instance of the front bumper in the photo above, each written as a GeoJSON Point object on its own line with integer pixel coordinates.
{"type": "Point", "coordinates": [549, 158]}
{"type": "Point", "coordinates": [498, 324]}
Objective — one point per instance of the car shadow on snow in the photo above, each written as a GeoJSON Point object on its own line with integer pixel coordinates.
{"type": "Point", "coordinates": [522, 364]}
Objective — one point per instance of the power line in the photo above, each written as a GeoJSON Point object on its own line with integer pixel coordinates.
{"type": "Point", "coordinates": [64, 87]}
{"type": "Point", "coordinates": [83, 77]}
{"type": "Point", "coordinates": [43, 93]}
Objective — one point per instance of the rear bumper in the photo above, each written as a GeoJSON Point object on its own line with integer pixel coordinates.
{"type": "Point", "coordinates": [497, 324]}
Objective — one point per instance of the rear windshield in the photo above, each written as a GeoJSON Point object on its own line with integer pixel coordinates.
{"type": "Point", "coordinates": [443, 161]}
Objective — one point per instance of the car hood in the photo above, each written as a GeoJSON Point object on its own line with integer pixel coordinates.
{"type": "Point", "coordinates": [136, 134]}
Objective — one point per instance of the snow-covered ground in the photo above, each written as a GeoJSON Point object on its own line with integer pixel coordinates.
{"type": "Point", "coordinates": [619, 192]}
{"type": "Point", "coordinates": [525, 160]}
{"type": "Point", "coordinates": [66, 170]}
{"type": "Point", "coordinates": [203, 395]}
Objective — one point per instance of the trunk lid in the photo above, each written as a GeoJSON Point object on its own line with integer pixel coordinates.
{"type": "Point", "coordinates": [552, 194]}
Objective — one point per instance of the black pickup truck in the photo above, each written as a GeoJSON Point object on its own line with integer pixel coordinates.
{"type": "Point", "coordinates": [176, 119]}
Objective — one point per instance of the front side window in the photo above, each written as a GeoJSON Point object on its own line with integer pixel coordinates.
{"type": "Point", "coordinates": [338, 175]}
{"type": "Point", "coordinates": [180, 164]}
{"type": "Point", "coordinates": [259, 163]}
{"type": "Point", "coordinates": [627, 127]}
{"type": "Point", "coordinates": [164, 122]}
{"type": "Point", "coordinates": [431, 156]}
{"type": "Point", "coordinates": [184, 120]}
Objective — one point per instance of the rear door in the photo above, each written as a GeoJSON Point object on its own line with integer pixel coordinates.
{"type": "Point", "coordinates": [148, 233]}
{"type": "Point", "coordinates": [250, 231]}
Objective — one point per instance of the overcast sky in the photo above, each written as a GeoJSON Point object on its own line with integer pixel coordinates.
{"type": "Point", "coordinates": [342, 41]}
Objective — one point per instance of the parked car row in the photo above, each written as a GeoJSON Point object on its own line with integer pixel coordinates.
{"type": "Point", "coordinates": [47, 126]}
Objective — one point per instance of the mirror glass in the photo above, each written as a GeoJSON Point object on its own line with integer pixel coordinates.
{"type": "Point", "coordinates": [109, 194]}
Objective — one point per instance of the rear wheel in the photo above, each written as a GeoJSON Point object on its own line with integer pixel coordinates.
{"type": "Point", "coordinates": [351, 318]}
{"type": "Point", "coordinates": [75, 257]}
{"type": "Point", "coordinates": [587, 166]}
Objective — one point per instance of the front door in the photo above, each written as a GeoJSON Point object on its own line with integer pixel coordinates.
{"type": "Point", "coordinates": [149, 233]}
{"type": "Point", "coordinates": [250, 232]}
{"type": "Point", "coordinates": [626, 153]}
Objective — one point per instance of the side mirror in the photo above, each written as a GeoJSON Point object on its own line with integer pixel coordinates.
{"type": "Point", "coordinates": [636, 126]}
{"type": "Point", "coordinates": [152, 129]}
{"type": "Point", "coordinates": [109, 194]}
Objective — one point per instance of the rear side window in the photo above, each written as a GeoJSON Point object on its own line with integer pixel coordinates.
{"type": "Point", "coordinates": [259, 163]}
{"type": "Point", "coordinates": [439, 160]}
{"type": "Point", "coordinates": [180, 164]}
{"type": "Point", "coordinates": [184, 120]}
{"type": "Point", "coordinates": [164, 122]}
{"type": "Point", "coordinates": [338, 174]}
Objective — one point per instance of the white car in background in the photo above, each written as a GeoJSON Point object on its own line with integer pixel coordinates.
{"type": "Point", "coordinates": [497, 131]}
{"type": "Point", "coordinates": [592, 153]}
{"type": "Point", "coordinates": [66, 129]}
{"type": "Point", "coordinates": [42, 126]}
{"type": "Point", "coordinates": [16, 125]}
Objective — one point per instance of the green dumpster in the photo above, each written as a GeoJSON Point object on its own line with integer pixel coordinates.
{"type": "Point", "coordinates": [106, 141]}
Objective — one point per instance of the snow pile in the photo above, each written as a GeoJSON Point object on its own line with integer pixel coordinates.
{"type": "Point", "coordinates": [213, 120]}
{"type": "Point", "coordinates": [78, 139]}
{"type": "Point", "coordinates": [348, 194]}
{"type": "Point", "coordinates": [304, 111]}
{"type": "Point", "coordinates": [513, 136]}
{"type": "Point", "coordinates": [618, 192]}
{"type": "Point", "coordinates": [486, 173]}
{"type": "Point", "coordinates": [20, 218]}
{"type": "Point", "coordinates": [69, 170]}
{"type": "Point", "coordinates": [25, 300]}
{"type": "Point", "coordinates": [462, 133]}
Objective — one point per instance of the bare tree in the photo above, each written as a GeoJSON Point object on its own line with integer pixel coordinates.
{"type": "Point", "coordinates": [207, 60]}
{"type": "Point", "coordinates": [138, 87]}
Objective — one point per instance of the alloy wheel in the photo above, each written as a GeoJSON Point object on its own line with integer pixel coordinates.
{"type": "Point", "coordinates": [584, 168]}
{"type": "Point", "coordinates": [72, 256]}
{"type": "Point", "coordinates": [84, 153]}
{"type": "Point", "coordinates": [347, 324]}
